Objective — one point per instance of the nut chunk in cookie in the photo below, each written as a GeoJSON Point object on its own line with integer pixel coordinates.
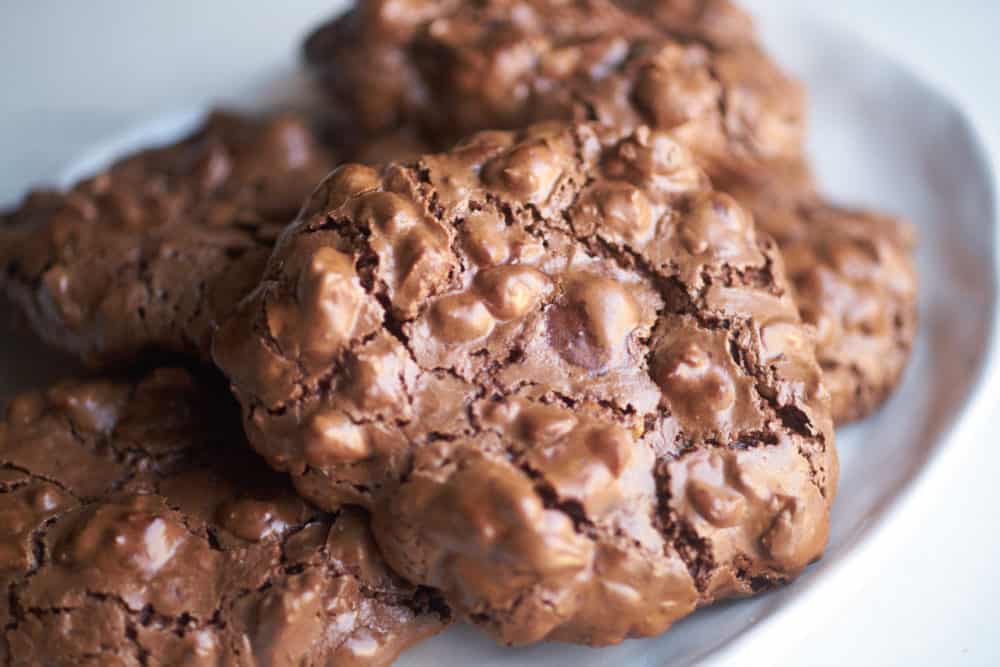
{"type": "Point", "coordinates": [150, 253]}
{"type": "Point", "coordinates": [136, 530]}
{"type": "Point", "coordinates": [854, 278]}
{"type": "Point", "coordinates": [565, 375]}
{"type": "Point", "coordinates": [450, 68]}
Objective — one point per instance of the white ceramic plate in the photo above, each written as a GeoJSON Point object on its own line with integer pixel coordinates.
{"type": "Point", "coordinates": [880, 137]}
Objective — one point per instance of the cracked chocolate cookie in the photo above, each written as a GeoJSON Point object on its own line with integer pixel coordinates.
{"type": "Point", "coordinates": [567, 377]}
{"type": "Point", "coordinates": [720, 23]}
{"type": "Point", "coordinates": [854, 279]}
{"type": "Point", "coordinates": [453, 68]}
{"type": "Point", "coordinates": [152, 252]}
{"type": "Point", "coordinates": [690, 66]}
{"type": "Point", "coordinates": [135, 530]}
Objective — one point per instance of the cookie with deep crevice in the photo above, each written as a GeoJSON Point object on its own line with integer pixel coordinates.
{"type": "Point", "coordinates": [137, 530]}
{"type": "Point", "coordinates": [451, 68]}
{"type": "Point", "coordinates": [566, 376]}
{"type": "Point", "coordinates": [854, 278]}
{"type": "Point", "coordinates": [149, 254]}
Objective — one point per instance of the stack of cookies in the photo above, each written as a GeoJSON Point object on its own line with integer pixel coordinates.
{"type": "Point", "coordinates": [540, 323]}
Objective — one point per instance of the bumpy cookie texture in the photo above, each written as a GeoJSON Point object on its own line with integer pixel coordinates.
{"type": "Point", "coordinates": [567, 377]}
{"type": "Point", "coordinates": [720, 23]}
{"type": "Point", "coordinates": [854, 279]}
{"type": "Point", "coordinates": [152, 252]}
{"type": "Point", "coordinates": [135, 530]}
{"type": "Point", "coordinates": [453, 68]}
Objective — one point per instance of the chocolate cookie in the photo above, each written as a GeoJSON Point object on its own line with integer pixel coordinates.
{"type": "Point", "coordinates": [567, 377]}
{"type": "Point", "coordinates": [152, 252]}
{"type": "Point", "coordinates": [854, 280]}
{"type": "Point", "coordinates": [137, 530]}
{"type": "Point", "coordinates": [452, 68]}
{"type": "Point", "coordinates": [720, 23]}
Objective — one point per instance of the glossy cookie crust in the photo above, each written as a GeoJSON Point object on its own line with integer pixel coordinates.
{"type": "Point", "coordinates": [451, 68]}
{"type": "Point", "coordinates": [693, 67]}
{"type": "Point", "coordinates": [137, 530]}
{"type": "Point", "coordinates": [151, 253]}
{"type": "Point", "coordinates": [566, 376]}
{"type": "Point", "coordinates": [854, 278]}
{"type": "Point", "coordinates": [720, 23]}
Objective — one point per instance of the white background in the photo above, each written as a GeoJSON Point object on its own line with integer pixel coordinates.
{"type": "Point", "coordinates": [924, 591]}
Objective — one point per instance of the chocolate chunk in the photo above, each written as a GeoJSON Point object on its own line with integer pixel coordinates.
{"type": "Point", "coordinates": [136, 529]}
{"type": "Point", "coordinates": [565, 375]}
{"type": "Point", "coordinates": [451, 68]}
{"type": "Point", "coordinates": [854, 279]}
{"type": "Point", "coordinates": [152, 252]}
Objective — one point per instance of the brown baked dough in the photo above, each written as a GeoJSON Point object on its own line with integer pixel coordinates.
{"type": "Point", "coordinates": [137, 529]}
{"type": "Point", "coordinates": [151, 253]}
{"type": "Point", "coordinates": [854, 278]}
{"type": "Point", "coordinates": [450, 68]}
{"type": "Point", "coordinates": [566, 375]}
